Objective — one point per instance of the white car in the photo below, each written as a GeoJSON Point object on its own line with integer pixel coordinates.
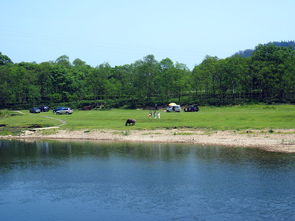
{"type": "Point", "coordinates": [64, 110]}
{"type": "Point", "coordinates": [175, 108]}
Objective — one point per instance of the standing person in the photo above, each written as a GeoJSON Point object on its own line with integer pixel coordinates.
{"type": "Point", "coordinates": [155, 114]}
{"type": "Point", "coordinates": [159, 115]}
{"type": "Point", "coordinates": [150, 115]}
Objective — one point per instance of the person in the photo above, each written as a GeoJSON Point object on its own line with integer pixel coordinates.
{"type": "Point", "coordinates": [159, 115]}
{"type": "Point", "coordinates": [150, 115]}
{"type": "Point", "coordinates": [155, 114]}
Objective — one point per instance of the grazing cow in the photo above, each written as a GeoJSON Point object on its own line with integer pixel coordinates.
{"type": "Point", "coordinates": [130, 122]}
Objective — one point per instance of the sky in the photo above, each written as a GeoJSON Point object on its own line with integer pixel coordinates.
{"type": "Point", "coordinates": [123, 31]}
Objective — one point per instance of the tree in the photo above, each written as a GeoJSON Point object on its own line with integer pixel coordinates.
{"type": "Point", "coordinates": [4, 59]}
{"type": "Point", "coordinates": [78, 62]}
{"type": "Point", "coordinates": [204, 76]}
{"type": "Point", "coordinates": [145, 72]}
{"type": "Point", "coordinates": [270, 65]}
{"type": "Point", "coordinates": [97, 79]}
{"type": "Point", "coordinates": [63, 60]}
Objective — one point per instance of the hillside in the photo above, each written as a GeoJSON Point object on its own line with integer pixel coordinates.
{"type": "Point", "coordinates": [249, 52]}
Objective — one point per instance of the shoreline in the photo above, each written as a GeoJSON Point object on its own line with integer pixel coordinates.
{"type": "Point", "coordinates": [280, 140]}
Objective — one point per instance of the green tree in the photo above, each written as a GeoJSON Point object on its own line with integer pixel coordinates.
{"type": "Point", "coordinates": [78, 62]}
{"type": "Point", "coordinates": [145, 72]}
{"type": "Point", "coordinates": [204, 76]}
{"type": "Point", "coordinates": [270, 65]}
{"type": "Point", "coordinates": [4, 59]}
{"type": "Point", "coordinates": [63, 60]}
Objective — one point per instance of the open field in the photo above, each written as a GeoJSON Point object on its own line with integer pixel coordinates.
{"type": "Point", "coordinates": [269, 127]}
{"type": "Point", "coordinates": [209, 118]}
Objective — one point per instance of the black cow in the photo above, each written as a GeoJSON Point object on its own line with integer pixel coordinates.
{"type": "Point", "coordinates": [130, 122]}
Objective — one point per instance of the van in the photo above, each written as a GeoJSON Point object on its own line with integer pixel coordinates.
{"type": "Point", "coordinates": [174, 108]}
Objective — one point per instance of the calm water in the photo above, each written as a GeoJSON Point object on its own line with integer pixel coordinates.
{"type": "Point", "coordinates": [49, 180]}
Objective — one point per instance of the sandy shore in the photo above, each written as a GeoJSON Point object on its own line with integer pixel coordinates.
{"type": "Point", "coordinates": [276, 140]}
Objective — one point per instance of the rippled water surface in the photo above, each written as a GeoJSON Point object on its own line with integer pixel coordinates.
{"type": "Point", "coordinates": [50, 180]}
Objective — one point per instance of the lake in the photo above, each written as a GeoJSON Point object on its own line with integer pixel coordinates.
{"type": "Point", "coordinates": [65, 180]}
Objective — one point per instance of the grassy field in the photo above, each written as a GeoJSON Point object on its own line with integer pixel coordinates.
{"type": "Point", "coordinates": [214, 118]}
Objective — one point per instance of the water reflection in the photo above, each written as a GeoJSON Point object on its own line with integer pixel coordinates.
{"type": "Point", "coordinates": [131, 181]}
{"type": "Point", "coordinates": [239, 156]}
{"type": "Point", "coordinates": [36, 151]}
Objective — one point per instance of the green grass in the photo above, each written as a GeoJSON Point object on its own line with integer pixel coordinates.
{"type": "Point", "coordinates": [211, 118]}
{"type": "Point", "coordinates": [16, 122]}
{"type": "Point", "coordinates": [49, 131]}
{"type": "Point", "coordinates": [28, 119]}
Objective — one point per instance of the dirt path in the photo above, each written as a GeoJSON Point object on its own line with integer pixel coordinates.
{"type": "Point", "coordinates": [32, 131]}
{"type": "Point", "coordinates": [19, 112]}
{"type": "Point", "coordinates": [62, 122]}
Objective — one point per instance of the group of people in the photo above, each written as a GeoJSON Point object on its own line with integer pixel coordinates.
{"type": "Point", "coordinates": [155, 115]}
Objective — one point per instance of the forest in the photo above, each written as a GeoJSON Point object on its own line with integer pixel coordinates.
{"type": "Point", "coordinates": [266, 76]}
{"type": "Point", "coordinates": [249, 52]}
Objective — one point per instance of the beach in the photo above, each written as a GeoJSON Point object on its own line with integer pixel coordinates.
{"type": "Point", "coordinates": [279, 140]}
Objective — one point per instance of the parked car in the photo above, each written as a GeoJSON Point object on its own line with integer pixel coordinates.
{"type": "Point", "coordinates": [35, 110]}
{"type": "Point", "coordinates": [63, 110]}
{"type": "Point", "coordinates": [44, 108]}
{"type": "Point", "coordinates": [173, 108]}
{"type": "Point", "coordinates": [192, 108]}
{"type": "Point", "coordinates": [57, 108]}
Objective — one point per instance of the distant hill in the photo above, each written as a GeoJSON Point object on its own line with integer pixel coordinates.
{"type": "Point", "coordinates": [248, 52]}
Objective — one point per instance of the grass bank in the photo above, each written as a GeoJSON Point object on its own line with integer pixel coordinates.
{"type": "Point", "coordinates": [212, 118]}
{"type": "Point", "coordinates": [14, 122]}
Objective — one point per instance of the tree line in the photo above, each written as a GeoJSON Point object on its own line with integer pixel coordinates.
{"type": "Point", "coordinates": [249, 52]}
{"type": "Point", "coordinates": [268, 76]}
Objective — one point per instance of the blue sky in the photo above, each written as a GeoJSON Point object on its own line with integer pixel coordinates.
{"type": "Point", "coordinates": [121, 32]}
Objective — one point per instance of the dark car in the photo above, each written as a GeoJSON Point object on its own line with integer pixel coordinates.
{"type": "Point", "coordinates": [192, 108]}
{"type": "Point", "coordinates": [35, 110]}
{"type": "Point", "coordinates": [44, 108]}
